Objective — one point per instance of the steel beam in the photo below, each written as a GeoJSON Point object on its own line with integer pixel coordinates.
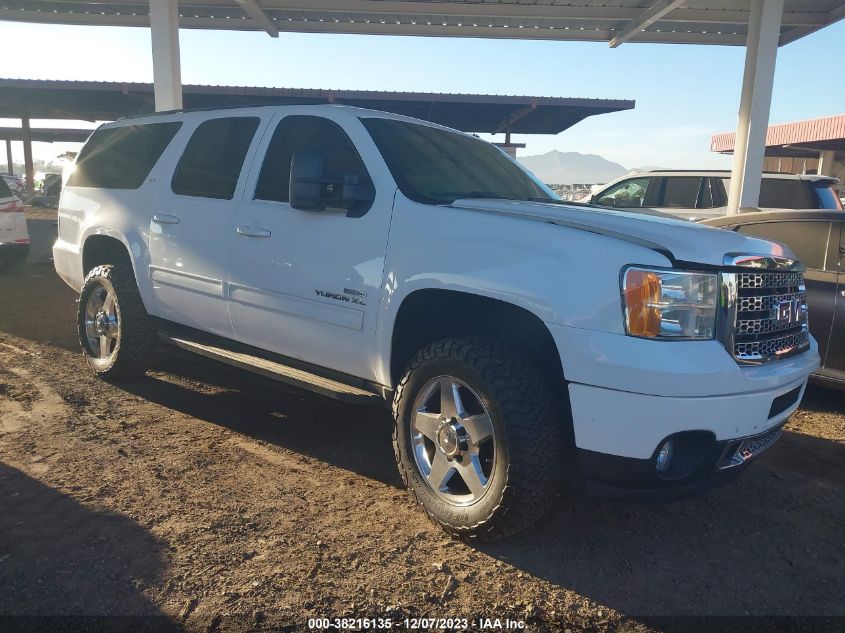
{"type": "Point", "coordinates": [29, 168]}
{"type": "Point", "coordinates": [167, 72]}
{"type": "Point", "coordinates": [644, 20]}
{"type": "Point", "coordinates": [257, 13]}
{"type": "Point", "coordinates": [755, 103]}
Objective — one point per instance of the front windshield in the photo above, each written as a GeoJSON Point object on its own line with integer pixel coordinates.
{"type": "Point", "coordinates": [435, 166]}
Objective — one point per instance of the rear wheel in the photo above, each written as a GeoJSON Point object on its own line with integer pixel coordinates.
{"type": "Point", "coordinates": [115, 332]}
{"type": "Point", "coordinates": [479, 438]}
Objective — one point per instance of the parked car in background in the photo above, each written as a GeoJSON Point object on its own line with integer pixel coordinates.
{"type": "Point", "coordinates": [14, 182]}
{"type": "Point", "coordinates": [817, 238]}
{"type": "Point", "coordinates": [698, 195]}
{"type": "Point", "coordinates": [14, 236]}
{"type": "Point", "coordinates": [49, 191]}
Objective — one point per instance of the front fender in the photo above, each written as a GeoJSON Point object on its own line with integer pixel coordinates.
{"type": "Point", "coordinates": [561, 275]}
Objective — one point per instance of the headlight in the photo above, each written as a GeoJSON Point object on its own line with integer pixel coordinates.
{"type": "Point", "coordinates": [669, 304]}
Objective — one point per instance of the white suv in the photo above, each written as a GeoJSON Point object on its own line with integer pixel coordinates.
{"type": "Point", "coordinates": [375, 258]}
{"type": "Point", "coordinates": [699, 195]}
{"type": "Point", "coordinates": [14, 236]}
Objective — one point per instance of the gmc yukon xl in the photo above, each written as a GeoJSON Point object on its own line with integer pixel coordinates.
{"type": "Point", "coordinates": [522, 342]}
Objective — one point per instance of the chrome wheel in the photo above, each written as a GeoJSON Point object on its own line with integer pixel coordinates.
{"type": "Point", "coordinates": [453, 440]}
{"type": "Point", "coordinates": [102, 330]}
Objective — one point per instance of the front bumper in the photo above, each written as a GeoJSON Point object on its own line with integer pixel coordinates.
{"type": "Point", "coordinates": [629, 395]}
{"type": "Point", "coordinates": [711, 464]}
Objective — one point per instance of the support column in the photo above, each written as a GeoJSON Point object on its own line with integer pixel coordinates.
{"type": "Point", "coordinates": [755, 103]}
{"type": "Point", "coordinates": [167, 72]}
{"type": "Point", "coordinates": [9, 156]}
{"type": "Point", "coordinates": [826, 158]}
{"type": "Point", "coordinates": [29, 168]}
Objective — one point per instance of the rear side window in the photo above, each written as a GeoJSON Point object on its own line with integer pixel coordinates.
{"type": "Point", "coordinates": [299, 132]}
{"type": "Point", "coordinates": [5, 192]}
{"type": "Point", "coordinates": [121, 157]}
{"type": "Point", "coordinates": [827, 196]}
{"type": "Point", "coordinates": [214, 157]}
{"type": "Point", "coordinates": [681, 193]}
{"type": "Point", "coordinates": [781, 193]}
{"type": "Point", "coordinates": [809, 240]}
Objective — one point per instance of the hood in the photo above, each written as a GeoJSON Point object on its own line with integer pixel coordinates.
{"type": "Point", "coordinates": [678, 240]}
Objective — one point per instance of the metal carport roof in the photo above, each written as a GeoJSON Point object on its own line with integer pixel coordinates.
{"type": "Point", "coordinates": [493, 114]}
{"type": "Point", "coordinates": [665, 21]}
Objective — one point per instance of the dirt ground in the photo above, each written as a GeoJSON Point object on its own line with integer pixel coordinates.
{"type": "Point", "coordinates": [221, 501]}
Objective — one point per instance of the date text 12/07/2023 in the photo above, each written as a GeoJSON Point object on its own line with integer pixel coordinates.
{"type": "Point", "coordinates": [412, 624]}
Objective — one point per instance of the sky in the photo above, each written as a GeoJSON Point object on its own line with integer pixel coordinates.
{"type": "Point", "coordinates": [683, 93]}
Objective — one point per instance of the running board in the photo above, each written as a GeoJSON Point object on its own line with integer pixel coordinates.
{"type": "Point", "coordinates": [282, 373]}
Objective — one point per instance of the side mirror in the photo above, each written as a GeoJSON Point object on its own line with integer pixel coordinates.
{"type": "Point", "coordinates": [306, 180]}
{"type": "Point", "coordinates": [311, 189]}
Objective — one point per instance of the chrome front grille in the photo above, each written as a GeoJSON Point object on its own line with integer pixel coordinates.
{"type": "Point", "coordinates": [763, 279]}
{"type": "Point", "coordinates": [771, 315]}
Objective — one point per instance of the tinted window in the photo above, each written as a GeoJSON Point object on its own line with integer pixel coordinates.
{"type": "Point", "coordinates": [295, 133]}
{"type": "Point", "coordinates": [212, 161]}
{"type": "Point", "coordinates": [626, 194]}
{"type": "Point", "coordinates": [779, 193]}
{"type": "Point", "coordinates": [709, 194]}
{"type": "Point", "coordinates": [435, 166]}
{"type": "Point", "coordinates": [807, 239]}
{"type": "Point", "coordinates": [827, 196]}
{"type": "Point", "coordinates": [121, 157]}
{"type": "Point", "coordinates": [680, 193]}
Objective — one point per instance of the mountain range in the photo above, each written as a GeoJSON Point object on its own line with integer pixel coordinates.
{"type": "Point", "coordinates": [566, 168]}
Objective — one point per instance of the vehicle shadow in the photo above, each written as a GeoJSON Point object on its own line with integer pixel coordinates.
{"type": "Point", "coordinates": [38, 306]}
{"type": "Point", "coordinates": [767, 543]}
{"type": "Point", "coordinates": [823, 400]}
{"type": "Point", "coordinates": [355, 438]}
{"type": "Point", "coordinates": [62, 564]}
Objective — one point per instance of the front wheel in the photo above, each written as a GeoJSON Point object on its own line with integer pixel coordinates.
{"type": "Point", "coordinates": [115, 332]}
{"type": "Point", "coordinates": [479, 438]}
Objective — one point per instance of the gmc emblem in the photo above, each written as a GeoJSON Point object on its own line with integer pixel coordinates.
{"type": "Point", "coordinates": [789, 311]}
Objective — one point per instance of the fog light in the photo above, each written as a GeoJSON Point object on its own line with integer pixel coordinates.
{"type": "Point", "coordinates": [664, 456]}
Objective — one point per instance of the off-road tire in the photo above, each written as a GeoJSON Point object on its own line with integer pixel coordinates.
{"type": "Point", "coordinates": [532, 431]}
{"type": "Point", "coordinates": [137, 339]}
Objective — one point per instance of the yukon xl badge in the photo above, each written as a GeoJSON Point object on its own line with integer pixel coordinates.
{"type": "Point", "coordinates": [349, 296]}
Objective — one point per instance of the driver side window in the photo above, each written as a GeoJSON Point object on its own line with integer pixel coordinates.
{"type": "Point", "coordinates": [300, 132]}
{"type": "Point", "coordinates": [626, 194]}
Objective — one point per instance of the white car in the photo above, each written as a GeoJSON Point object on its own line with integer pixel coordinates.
{"type": "Point", "coordinates": [698, 195]}
{"type": "Point", "coordinates": [14, 236]}
{"type": "Point", "coordinates": [375, 258]}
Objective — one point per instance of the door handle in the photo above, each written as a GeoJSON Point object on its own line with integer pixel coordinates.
{"type": "Point", "coordinates": [166, 218]}
{"type": "Point", "coordinates": [252, 231]}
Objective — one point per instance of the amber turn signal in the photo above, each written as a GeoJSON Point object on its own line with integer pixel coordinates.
{"type": "Point", "coordinates": [642, 290]}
